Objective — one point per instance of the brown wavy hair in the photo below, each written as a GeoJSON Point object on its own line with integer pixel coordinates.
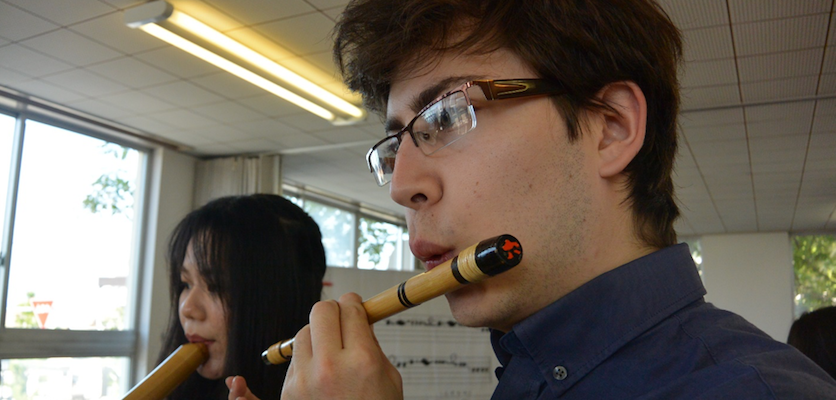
{"type": "Point", "coordinates": [582, 45]}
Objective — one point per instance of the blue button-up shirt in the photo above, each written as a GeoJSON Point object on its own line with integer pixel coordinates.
{"type": "Point", "coordinates": [643, 331]}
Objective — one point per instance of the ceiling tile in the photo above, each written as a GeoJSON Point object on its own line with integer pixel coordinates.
{"type": "Point", "coordinates": [183, 119]}
{"type": "Point", "coordinates": [327, 4]}
{"type": "Point", "coordinates": [687, 14]}
{"type": "Point", "coordinates": [826, 107]}
{"type": "Point", "coordinates": [695, 119]}
{"type": "Point", "coordinates": [145, 124]}
{"type": "Point", "coordinates": [709, 73]}
{"type": "Point", "coordinates": [334, 13]}
{"type": "Point", "coordinates": [707, 44]}
{"type": "Point", "coordinates": [797, 110]}
{"type": "Point", "coordinates": [301, 140]}
{"type": "Point", "coordinates": [695, 98]}
{"type": "Point", "coordinates": [827, 84]}
{"type": "Point", "coordinates": [829, 64]}
{"type": "Point", "coordinates": [785, 127]}
{"type": "Point", "coordinates": [71, 47]}
{"type": "Point", "coordinates": [138, 102]}
{"type": "Point", "coordinates": [781, 181]}
{"type": "Point", "coordinates": [122, 4]}
{"type": "Point", "coordinates": [270, 105]}
{"type": "Point", "coordinates": [782, 65]}
{"type": "Point", "coordinates": [10, 77]}
{"type": "Point", "coordinates": [227, 112]}
{"type": "Point", "coordinates": [255, 12]}
{"type": "Point", "coordinates": [720, 152]}
{"type": "Point", "coordinates": [307, 122]}
{"type": "Point", "coordinates": [306, 34]}
{"type": "Point", "coordinates": [345, 135]}
{"type": "Point", "coordinates": [65, 12]}
{"type": "Point", "coordinates": [28, 62]}
{"type": "Point", "coordinates": [86, 83]}
{"type": "Point", "coordinates": [177, 62]}
{"type": "Point", "coordinates": [716, 133]}
{"type": "Point", "coordinates": [230, 85]}
{"type": "Point", "coordinates": [267, 127]}
{"type": "Point", "coordinates": [254, 145]}
{"type": "Point", "coordinates": [132, 72]}
{"type": "Point", "coordinates": [99, 108]}
{"type": "Point", "coordinates": [769, 163]}
{"type": "Point", "coordinates": [219, 134]}
{"type": "Point", "coordinates": [47, 91]}
{"type": "Point", "coordinates": [747, 10]}
{"type": "Point", "coordinates": [824, 124]}
{"type": "Point", "coordinates": [781, 35]}
{"type": "Point", "coordinates": [776, 89]}
{"type": "Point", "coordinates": [778, 144]}
{"type": "Point", "coordinates": [16, 24]}
{"type": "Point", "coordinates": [110, 30]}
{"type": "Point", "coordinates": [184, 94]}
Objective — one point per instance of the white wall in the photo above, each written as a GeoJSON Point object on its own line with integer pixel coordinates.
{"type": "Point", "coordinates": [170, 197]}
{"type": "Point", "coordinates": [751, 275]}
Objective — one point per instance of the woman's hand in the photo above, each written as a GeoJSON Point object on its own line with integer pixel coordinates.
{"type": "Point", "coordinates": [238, 389]}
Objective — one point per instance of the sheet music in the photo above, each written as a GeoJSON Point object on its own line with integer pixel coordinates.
{"type": "Point", "coordinates": [437, 357]}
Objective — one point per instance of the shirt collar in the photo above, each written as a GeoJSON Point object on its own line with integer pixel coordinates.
{"type": "Point", "coordinates": [589, 324]}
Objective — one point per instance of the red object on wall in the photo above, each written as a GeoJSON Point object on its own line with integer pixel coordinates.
{"type": "Point", "coordinates": [42, 309]}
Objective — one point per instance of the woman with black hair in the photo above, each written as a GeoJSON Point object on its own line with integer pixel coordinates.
{"type": "Point", "coordinates": [245, 272]}
{"type": "Point", "coordinates": [814, 334]}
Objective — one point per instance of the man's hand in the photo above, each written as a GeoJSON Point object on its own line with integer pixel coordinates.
{"type": "Point", "coordinates": [338, 357]}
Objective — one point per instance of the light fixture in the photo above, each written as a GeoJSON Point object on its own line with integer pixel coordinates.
{"type": "Point", "coordinates": [160, 19]}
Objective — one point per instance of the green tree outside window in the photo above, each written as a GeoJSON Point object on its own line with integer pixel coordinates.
{"type": "Point", "coordinates": [814, 263]}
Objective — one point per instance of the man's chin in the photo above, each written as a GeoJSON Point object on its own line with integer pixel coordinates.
{"type": "Point", "coordinates": [467, 308]}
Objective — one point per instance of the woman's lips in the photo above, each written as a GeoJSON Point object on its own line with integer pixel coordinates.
{"type": "Point", "coordinates": [199, 339]}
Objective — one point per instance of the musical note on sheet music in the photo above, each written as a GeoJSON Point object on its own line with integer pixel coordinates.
{"type": "Point", "coordinates": [439, 353]}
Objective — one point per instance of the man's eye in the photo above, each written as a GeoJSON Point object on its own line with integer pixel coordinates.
{"type": "Point", "coordinates": [445, 120]}
{"type": "Point", "coordinates": [426, 137]}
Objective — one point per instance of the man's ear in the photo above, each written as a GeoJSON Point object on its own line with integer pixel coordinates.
{"type": "Point", "coordinates": [623, 131]}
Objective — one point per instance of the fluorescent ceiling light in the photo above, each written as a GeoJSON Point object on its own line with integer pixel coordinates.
{"type": "Point", "coordinates": [155, 17]}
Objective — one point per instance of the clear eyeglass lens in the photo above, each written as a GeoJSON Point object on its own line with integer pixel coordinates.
{"type": "Point", "coordinates": [382, 160]}
{"type": "Point", "coordinates": [443, 123]}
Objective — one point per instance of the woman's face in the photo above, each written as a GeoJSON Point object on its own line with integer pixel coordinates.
{"type": "Point", "coordinates": [203, 317]}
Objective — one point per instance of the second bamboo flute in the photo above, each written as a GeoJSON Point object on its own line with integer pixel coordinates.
{"type": "Point", "coordinates": [475, 263]}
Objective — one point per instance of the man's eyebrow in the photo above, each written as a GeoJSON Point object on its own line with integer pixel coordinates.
{"type": "Point", "coordinates": [425, 97]}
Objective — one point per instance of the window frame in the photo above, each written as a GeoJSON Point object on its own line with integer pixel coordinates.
{"type": "Point", "coordinates": [359, 210]}
{"type": "Point", "coordinates": [17, 343]}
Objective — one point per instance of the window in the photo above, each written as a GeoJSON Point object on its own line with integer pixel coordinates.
{"type": "Point", "coordinates": [814, 265]}
{"type": "Point", "coordinates": [71, 229]}
{"type": "Point", "coordinates": [382, 246]}
{"type": "Point", "coordinates": [355, 237]}
{"type": "Point", "coordinates": [337, 228]}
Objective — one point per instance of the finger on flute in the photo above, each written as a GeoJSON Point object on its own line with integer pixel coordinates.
{"type": "Point", "coordinates": [482, 260]}
{"type": "Point", "coordinates": [170, 373]}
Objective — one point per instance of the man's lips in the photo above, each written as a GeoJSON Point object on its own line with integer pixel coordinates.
{"type": "Point", "coordinates": [431, 254]}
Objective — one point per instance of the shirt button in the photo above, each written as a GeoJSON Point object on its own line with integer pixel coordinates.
{"type": "Point", "coordinates": [560, 373]}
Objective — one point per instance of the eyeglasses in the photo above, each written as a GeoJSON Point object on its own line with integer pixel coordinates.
{"type": "Point", "coordinates": [448, 118]}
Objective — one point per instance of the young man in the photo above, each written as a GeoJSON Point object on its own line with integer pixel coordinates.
{"type": "Point", "coordinates": [553, 121]}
